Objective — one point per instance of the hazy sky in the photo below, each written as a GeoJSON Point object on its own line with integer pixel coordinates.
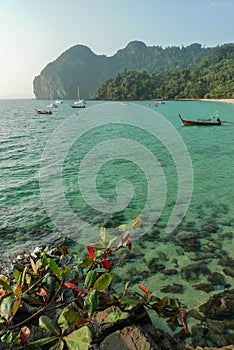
{"type": "Point", "coordinates": [34, 33]}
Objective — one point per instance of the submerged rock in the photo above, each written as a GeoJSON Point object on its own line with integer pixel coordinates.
{"type": "Point", "coordinates": [192, 271]}
{"type": "Point", "coordinates": [173, 288]}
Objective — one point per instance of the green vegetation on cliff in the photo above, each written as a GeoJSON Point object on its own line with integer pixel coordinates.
{"type": "Point", "coordinates": [213, 77]}
{"type": "Point", "coordinates": [79, 65]}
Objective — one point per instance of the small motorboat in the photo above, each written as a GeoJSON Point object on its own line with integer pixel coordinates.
{"type": "Point", "coordinates": [42, 112]}
{"type": "Point", "coordinates": [152, 104]}
{"type": "Point", "coordinates": [52, 105]}
{"type": "Point", "coordinates": [202, 122]}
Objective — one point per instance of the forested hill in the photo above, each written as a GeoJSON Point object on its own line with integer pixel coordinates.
{"type": "Point", "coordinates": [79, 65]}
{"type": "Point", "coordinates": [213, 77]}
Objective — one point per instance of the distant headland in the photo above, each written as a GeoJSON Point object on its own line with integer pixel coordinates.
{"type": "Point", "coordinates": [167, 73]}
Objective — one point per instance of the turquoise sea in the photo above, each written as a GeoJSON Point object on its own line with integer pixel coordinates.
{"type": "Point", "coordinates": [44, 171]}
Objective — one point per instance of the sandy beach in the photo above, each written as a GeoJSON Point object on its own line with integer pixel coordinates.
{"type": "Point", "coordinates": [226, 100]}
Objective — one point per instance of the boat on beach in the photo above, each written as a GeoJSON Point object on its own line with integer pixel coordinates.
{"type": "Point", "coordinates": [38, 111]}
{"type": "Point", "coordinates": [202, 122]}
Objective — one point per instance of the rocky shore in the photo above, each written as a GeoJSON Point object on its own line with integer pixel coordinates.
{"type": "Point", "coordinates": [213, 328]}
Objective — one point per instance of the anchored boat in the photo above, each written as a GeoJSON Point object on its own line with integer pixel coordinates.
{"type": "Point", "coordinates": [204, 122]}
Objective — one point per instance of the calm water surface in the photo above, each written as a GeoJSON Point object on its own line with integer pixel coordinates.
{"type": "Point", "coordinates": [205, 234]}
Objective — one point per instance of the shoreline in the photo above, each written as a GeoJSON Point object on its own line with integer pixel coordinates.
{"type": "Point", "coordinates": [225, 100]}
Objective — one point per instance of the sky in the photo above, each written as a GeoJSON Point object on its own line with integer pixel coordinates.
{"type": "Point", "coordinates": [34, 33]}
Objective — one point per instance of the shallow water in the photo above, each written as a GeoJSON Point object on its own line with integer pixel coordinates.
{"type": "Point", "coordinates": [29, 148]}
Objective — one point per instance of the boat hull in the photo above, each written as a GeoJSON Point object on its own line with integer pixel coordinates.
{"type": "Point", "coordinates": [42, 112]}
{"type": "Point", "coordinates": [200, 122]}
{"type": "Point", "coordinates": [77, 106]}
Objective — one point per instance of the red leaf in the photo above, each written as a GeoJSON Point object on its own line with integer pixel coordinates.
{"type": "Point", "coordinates": [72, 286]}
{"type": "Point", "coordinates": [145, 290]}
{"type": "Point", "coordinates": [3, 293]}
{"type": "Point", "coordinates": [43, 292]}
{"type": "Point", "coordinates": [123, 240]}
{"type": "Point", "coordinates": [91, 251]}
{"type": "Point", "coordinates": [129, 243]}
{"type": "Point", "coordinates": [24, 335]}
{"type": "Point", "coordinates": [125, 236]}
{"type": "Point", "coordinates": [184, 322]}
{"type": "Point", "coordinates": [106, 264]}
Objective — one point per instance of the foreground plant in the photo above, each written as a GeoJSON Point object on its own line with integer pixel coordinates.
{"type": "Point", "coordinates": [61, 299]}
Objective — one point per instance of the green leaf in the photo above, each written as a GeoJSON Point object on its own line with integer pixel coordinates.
{"type": "Point", "coordinates": [115, 317]}
{"type": "Point", "coordinates": [128, 304]}
{"type": "Point", "coordinates": [6, 306]}
{"type": "Point", "coordinates": [62, 321]}
{"type": "Point", "coordinates": [37, 344]}
{"type": "Point", "coordinates": [74, 318]}
{"type": "Point", "coordinates": [54, 268]}
{"type": "Point", "coordinates": [79, 339]}
{"type": "Point", "coordinates": [65, 273]}
{"type": "Point", "coordinates": [17, 274]}
{"type": "Point", "coordinates": [44, 259]}
{"type": "Point", "coordinates": [87, 261]}
{"type": "Point", "coordinates": [174, 303]}
{"type": "Point", "coordinates": [112, 242]}
{"type": "Point", "coordinates": [7, 337]}
{"type": "Point", "coordinates": [38, 264]}
{"type": "Point", "coordinates": [49, 281]}
{"type": "Point", "coordinates": [48, 324]}
{"type": "Point", "coordinates": [59, 345]}
{"type": "Point", "coordinates": [103, 281]}
{"type": "Point", "coordinates": [126, 288]}
{"type": "Point", "coordinates": [90, 278]}
{"type": "Point", "coordinates": [23, 275]}
{"type": "Point", "coordinates": [91, 301]}
{"type": "Point", "coordinates": [6, 285]}
{"type": "Point", "coordinates": [29, 299]}
{"type": "Point", "coordinates": [122, 227]}
{"type": "Point", "coordinates": [103, 234]}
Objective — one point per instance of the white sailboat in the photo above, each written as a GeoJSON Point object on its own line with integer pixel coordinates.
{"type": "Point", "coordinates": [52, 104]}
{"type": "Point", "coordinates": [80, 103]}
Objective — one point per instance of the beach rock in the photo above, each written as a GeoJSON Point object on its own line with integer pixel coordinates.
{"type": "Point", "coordinates": [125, 339]}
{"type": "Point", "coordinates": [136, 332]}
{"type": "Point", "coordinates": [216, 329]}
{"type": "Point", "coordinates": [220, 306]}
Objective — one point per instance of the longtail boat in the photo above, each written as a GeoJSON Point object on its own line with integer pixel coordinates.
{"type": "Point", "coordinates": [42, 112]}
{"type": "Point", "coordinates": [205, 122]}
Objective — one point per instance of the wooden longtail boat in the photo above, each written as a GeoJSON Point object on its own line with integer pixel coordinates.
{"type": "Point", "coordinates": [202, 122]}
{"type": "Point", "coordinates": [42, 112]}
